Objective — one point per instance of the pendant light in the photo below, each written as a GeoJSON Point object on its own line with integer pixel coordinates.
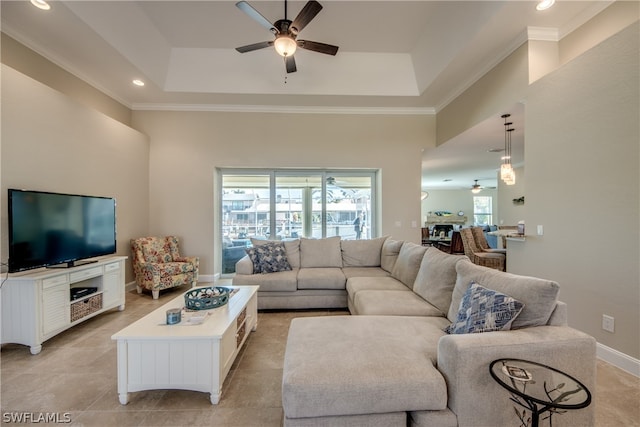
{"type": "Point", "coordinates": [506, 169]}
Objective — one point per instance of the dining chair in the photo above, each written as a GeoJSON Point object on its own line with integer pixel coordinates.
{"type": "Point", "coordinates": [479, 257]}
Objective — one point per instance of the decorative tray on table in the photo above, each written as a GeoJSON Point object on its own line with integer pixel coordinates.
{"type": "Point", "coordinates": [206, 298]}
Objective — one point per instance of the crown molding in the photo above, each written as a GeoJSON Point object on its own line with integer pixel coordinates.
{"type": "Point", "coordinates": [489, 65]}
{"type": "Point", "coordinates": [66, 66]}
{"type": "Point", "coordinates": [543, 34]}
{"type": "Point", "coordinates": [287, 109]}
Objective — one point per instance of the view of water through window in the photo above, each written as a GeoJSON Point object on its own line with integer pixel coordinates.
{"type": "Point", "coordinates": [280, 205]}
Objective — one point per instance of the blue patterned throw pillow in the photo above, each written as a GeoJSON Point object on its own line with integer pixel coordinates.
{"type": "Point", "coordinates": [269, 258]}
{"type": "Point", "coordinates": [254, 257]}
{"type": "Point", "coordinates": [484, 310]}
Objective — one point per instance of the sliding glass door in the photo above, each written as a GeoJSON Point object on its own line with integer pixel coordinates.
{"type": "Point", "coordinates": [288, 204]}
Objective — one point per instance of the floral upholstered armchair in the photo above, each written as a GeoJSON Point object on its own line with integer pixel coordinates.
{"type": "Point", "coordinates": [157, 264]}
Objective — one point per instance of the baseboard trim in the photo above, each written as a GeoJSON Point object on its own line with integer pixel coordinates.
{"type": "Point", "coordinates": [618, 359]}
{"type": "Point", "coordinates": [130, 286]}
{"type": "Point", "coordinates": [208, 278]}
{"type": "Point", "coordinates": [202, 278]}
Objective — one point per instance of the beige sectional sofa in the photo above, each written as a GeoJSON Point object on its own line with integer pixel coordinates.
{"type": "Point", "coordinates": [393, 362]}
{"type": "Point", "coordinates": [318, 274]}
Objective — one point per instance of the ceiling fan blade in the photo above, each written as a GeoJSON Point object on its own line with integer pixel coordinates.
{"type": "Point", "coordinates": [290, 63]}
{"type": "Point", "coordinates": [318, 47]}
{"type": "Point", "coordinates": [308, 12]}
{"type": "Point", "coordinates": [256, 16]}
{"type": "Point", "coordinates": [254, 46]}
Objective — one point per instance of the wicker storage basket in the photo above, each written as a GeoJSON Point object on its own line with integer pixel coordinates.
{"type": "Point", "coordinates": [241, 317]}
{"type": "Point", "coordinates": [85, 307]}
{"type": "Point", "coordinates": [240, 334]}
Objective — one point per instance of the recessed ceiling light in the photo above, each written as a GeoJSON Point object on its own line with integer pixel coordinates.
{"type": "Point", "coordinates": [545, 4]}
{"type": "Point", "coordinates": [41, 4]}
{"type": "Point", "coordinates": [138, 82]}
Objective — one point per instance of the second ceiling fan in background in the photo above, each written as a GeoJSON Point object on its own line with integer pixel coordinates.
{"type": "Point", "coordinates": [286, 33]}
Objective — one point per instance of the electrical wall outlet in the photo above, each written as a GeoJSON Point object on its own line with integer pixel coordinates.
{"type": "Point", "coordinates": [608, 323]}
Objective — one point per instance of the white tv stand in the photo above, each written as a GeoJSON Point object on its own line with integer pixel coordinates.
{"type": "Point", "coordinates": [37, 305]}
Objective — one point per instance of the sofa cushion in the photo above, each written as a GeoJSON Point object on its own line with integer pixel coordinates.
{"type": "Point", "coordinates": [362, 253]}
{"type": "Point", "coordinates": [156, 249]}
{"type": "Point", "coordinates": [364, 272]}
{"type": "Point", "coordinates": [437, 277]}
{"type": "Point", "coordinates": [320, 252]}
{"type": "Point", "coordinates": [387, 283]}
{"type": "Point", "coordinates": [282, 281]}
{"type": "Point", "coordinates": [393, 303]}
{"type": "Point", "coordinates": [389, 254]}
{"type": "Point", "coordinates": [292, 247]}
{"type": "Point", "coordinates": [484, 310]}
{"type": "Point", "coordinates": [408, 263]}
{"type": "Point", "coordinates": [538, 295]}
{"type": "Point", "coordinates": [382, 366]}
{"type": "Point", "coordinates": [321, 278]}
{"type": "Point", "coordinates": [357, 284]}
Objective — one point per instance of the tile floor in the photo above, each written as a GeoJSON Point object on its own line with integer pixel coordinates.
{"type": "Point", "coordinates": [76, 374]}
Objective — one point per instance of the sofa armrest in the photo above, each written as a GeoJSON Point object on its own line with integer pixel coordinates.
{"type": "Point", "coordinates": [477, 399]}
{"type": "Point", "coordinates": [244, 265]}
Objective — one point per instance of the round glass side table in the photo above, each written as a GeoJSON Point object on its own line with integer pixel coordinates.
{"type": "Point", "coordinates": [539, 388]}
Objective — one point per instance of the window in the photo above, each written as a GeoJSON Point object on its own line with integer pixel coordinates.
{"type": "Point", "coordinates": [482, 210]}
{"type": "Point", "coordinates": [288, 204]}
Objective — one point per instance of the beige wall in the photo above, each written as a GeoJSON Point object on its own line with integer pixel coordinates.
{"type": "Point", "coordinates": [607, 23]}
{"type": "Point", "coordinates": [582, 154]}
{"type": "Point", "coordinates": [28, 62]}
{"type": "Point", "coordinates": [544, 57]}
{"type": "Point", "coordinates": [499, 88]}
{"type": "Point", "coordinates": [52, 143]}
{"type": "Point", "coordinates": [186, 147]}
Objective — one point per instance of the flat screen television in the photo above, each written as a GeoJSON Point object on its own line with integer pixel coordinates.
{"type": "Point", "coordinates": [58, 230]}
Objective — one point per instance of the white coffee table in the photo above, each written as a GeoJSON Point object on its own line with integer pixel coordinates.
{"type": "Point", "coordinates": [187, 356]}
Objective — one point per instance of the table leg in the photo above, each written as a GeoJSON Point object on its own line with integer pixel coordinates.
{"type": "Point", "coordinates": [535, 419]}
{"type": "Point", "coordinates": [123, 378]}
{"type": "Point", "coordinates": [215, 398]}
{"type": "Point", "coordinates": [535, 414]}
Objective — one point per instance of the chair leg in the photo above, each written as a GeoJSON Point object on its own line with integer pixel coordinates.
{"type": "Point", "coordinates": [155, 293]}
{"type": "Point", "coordinates": [139, 289]}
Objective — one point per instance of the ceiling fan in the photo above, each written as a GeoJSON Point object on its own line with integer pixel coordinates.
{"type": "Point", "coordinates": [286, 33]}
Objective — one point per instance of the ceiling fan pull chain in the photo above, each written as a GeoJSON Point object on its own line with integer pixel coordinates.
{"type": "Point", "coordinates": [285, 74]}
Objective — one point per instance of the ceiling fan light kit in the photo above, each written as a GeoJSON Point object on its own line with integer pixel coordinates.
{"type": "Point", "coordinates": [286, 33]}
{"type": "Point", "coordinates": [476, 188]}
{"type": "Point", "coordinates": [285, 45]}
